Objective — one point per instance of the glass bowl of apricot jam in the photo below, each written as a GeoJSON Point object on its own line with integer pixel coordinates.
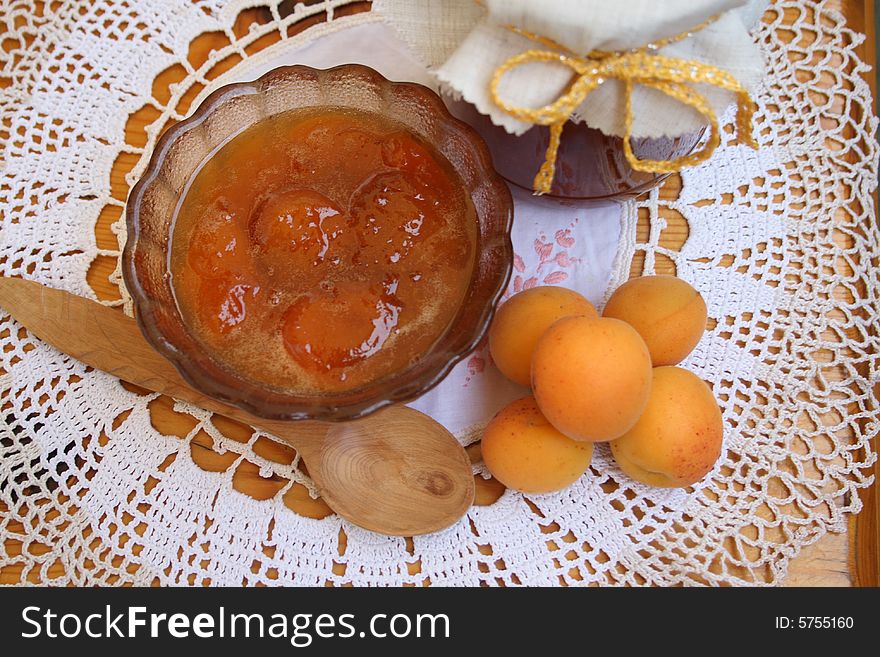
{"type": "Point", "coordinates": [317, 244]}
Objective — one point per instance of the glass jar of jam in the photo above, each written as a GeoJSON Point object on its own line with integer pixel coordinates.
{"type": "Point", "coordinates": [590, 165]}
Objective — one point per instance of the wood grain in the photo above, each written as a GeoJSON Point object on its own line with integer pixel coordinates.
{"type": "Point", "coordinates": [822, 564]}
{"type": "Point", "coordinates": [864, 553]}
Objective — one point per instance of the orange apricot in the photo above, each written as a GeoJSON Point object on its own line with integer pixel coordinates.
{"type": "Point", "coordinates": [668, 313]}
{"type": "Point", "coordinates": [525, 452]}
{"type": "Point", "coordinates": [678, 439]}
{"type": "Point", "coordinates": [522, 319]}
{"type": "Point", "coordinates": [591, 377]}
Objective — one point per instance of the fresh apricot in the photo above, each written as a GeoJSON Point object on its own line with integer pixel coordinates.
{"type": "Point", "coordinates": [522, 319]}
{"type": "Point", "coordinates": [525, 452]}
{"type": "Point", "coordinates": [678, 439]}
{"type": "Point", "coordinates": [668, 313]}
{"type": "Point", "coordinates": [591, 377]}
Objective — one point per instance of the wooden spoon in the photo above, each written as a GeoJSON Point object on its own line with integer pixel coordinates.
{"type": "Point", "coordinates": [395, 472]}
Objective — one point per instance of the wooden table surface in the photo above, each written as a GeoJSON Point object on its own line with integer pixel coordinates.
{"type": "Point", "coordinates": [835, 560]}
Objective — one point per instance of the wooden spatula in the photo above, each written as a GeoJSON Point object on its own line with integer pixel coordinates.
{"type": "Point", "coordinates": [395, 472]}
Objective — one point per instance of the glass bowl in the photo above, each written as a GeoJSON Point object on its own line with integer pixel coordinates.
{"type": "Point", "coordinates": [232, 109]}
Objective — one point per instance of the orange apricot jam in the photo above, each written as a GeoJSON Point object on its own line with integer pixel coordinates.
{"type": "Point", "coordinates": [320, 250]}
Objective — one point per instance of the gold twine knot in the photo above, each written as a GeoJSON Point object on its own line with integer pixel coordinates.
{"type": "Point", "coordinates": [668, 75]}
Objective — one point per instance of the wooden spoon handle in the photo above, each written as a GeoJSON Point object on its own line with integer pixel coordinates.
{"type": "Point", "coordinates": [396, 471]}
{"type": "Point", "coordinates": [106, 339]}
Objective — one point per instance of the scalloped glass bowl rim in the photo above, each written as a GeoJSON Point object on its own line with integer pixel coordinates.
{"type": "Point", "coordinates": [397, 387]}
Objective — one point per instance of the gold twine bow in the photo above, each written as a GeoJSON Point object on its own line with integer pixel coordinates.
{"type": "Point", "coordinates": [668, 75]}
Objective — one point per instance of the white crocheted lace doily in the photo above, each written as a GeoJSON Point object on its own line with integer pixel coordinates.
{"type": "Point", "coordinates": [783, 244]}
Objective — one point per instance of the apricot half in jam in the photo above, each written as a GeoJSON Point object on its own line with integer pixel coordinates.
{"type": "Point", "coordinates": [298, 230]}
{"type": "Point", "coordinates": [223, 303]}
{"type": "Point", "coordinates": [401, 150]}
{"type": "Point", "coordinates": [363, 317]}
{"type": "Point", "coordinates": [394, 212]}
{"type": "Point", "coordinates": [218, 247]}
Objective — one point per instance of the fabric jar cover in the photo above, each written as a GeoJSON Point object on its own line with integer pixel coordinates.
{"type": "Point", "coordinates": [463, 42]}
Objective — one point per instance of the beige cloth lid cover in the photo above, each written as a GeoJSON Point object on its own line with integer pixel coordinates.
{"type": "Point", "coordinates": [463, 42]}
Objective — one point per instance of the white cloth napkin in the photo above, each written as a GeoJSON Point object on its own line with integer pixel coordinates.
{"type": "Point", "coordinates": [555, 244]}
